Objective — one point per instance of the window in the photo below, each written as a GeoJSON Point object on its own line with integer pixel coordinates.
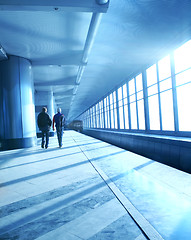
{"type": "Point", "coordinates": [168, 90]}
{"type": "Point", "coordinates": [101, 115]}
{"type": "Point", "coordinates": [182, 57]}
{"type": "Point", "coordinates": [125, 107]}
{"type": "Point", "coordinates": [153, 98]}
{"type": "Point", "coordinates": [151, 75]}
{"type": "Point", "coordinates": [94, 116]}
{"type": "Point", "coordinates": [115, 108]}
{"type": "Point", "coordinates": [167, 110]}
{"type": "Point", "coordinates": [164, 68]}
{"type": "Point", "coordinates": [120, 104]}
{"type": "Point", "coordinates": [97, 115]}
{"type": "Point", "coordinates": [154, 113]}
{"type": "Point", "coordinates": [91, 117]}
{"type": "Point", "coordinates": [165, 84]}
{"type": "Point", "coordinates": [140, 102]}
{"type": "Point", "coordinates": [133, 107]}
{"type": "Point", "coordinates": [184, 109]}
{"type": "Point", "coordinates": [106, 106]}
{"type": "Point", "coordinates": [111, 110]}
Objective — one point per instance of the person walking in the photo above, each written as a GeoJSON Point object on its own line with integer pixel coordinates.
{"type": "Point", "coordinates": [44, 123]}
{"type": "Point", "coordinates": [59, 120]}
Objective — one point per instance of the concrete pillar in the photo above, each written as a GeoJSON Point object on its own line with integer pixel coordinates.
{"type": "Point", "coordinates": [44, 99]}
{"type": "Point", "coordinates": [50, 106]}
{"type": "Point", "coordinates": [17, 112]}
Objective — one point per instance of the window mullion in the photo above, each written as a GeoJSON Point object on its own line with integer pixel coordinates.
{"type": "Point", "coordinates": [174, 94]}
{"type": "Point", "coordinates": [159, 97]}
{"type": "Point", "coordinates": [123, 108]}
{"type": "Point", "coordinates": [146, 104]}
{"type": "Point", "coordinates": [128, 102]}
{"type": "Point", "coordinates": [136, 102]}
{"type": "Point", "coordinates": [117, 108]}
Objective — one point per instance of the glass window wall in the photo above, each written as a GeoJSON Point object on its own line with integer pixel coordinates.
{"type": "Point", "coordinates": [167, 88]}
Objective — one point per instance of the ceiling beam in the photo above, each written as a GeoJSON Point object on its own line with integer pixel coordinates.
{"type": "Point", "coordinates": [61, 98]}
{"type": "Point", "coordinates": [94, 24]}
{"type": "Point", "coordinates": [55, 5]}
{"type": "Point", "coordinates": [66, 58]}
{"type": "Point", "coordinates": [3, 54]}
{"type": "Point", "coordinates": [60, 82]}
{"type": "Point", "coordinates": [62, 93]}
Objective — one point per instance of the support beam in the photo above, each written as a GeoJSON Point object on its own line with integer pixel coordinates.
{"type": "Point", "coordinates": [80, 73]}
{"type": "Point", "coordinates": [94, 24]}
{"type": "Point", "coordinates": [67, 58]}
{"type": "Point", "coordinates": [3, 54]}
{"type": "Point", "coordinates": [60, 82]}
{"type": "Point", "coordinates": [64, 97]}
{"type": "Point", "coordinates": [102, 1]}
{"type": "Point", "coordinates": [55, 5]}
{"type": "Point", "coordinates": [63, 93]}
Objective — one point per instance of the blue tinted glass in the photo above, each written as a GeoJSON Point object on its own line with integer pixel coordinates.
{"type": "Point", "coordinates": [131, 86]}
{"type": "Point", "coordinates": [183, 77]}
{"type": "Point", "coordinates": [120, 93]}
{"type": "Point", "coordinates": [151, 75]}
{"type": "Point", "coordinates": [141, 114]}
{"type": "Point", "coordinates": [154, 112]}
{"type": "Point", "coordinates": [167, 111]}
{"type": "Point", "coordinates": [153, 90]}
{"type": "Point", "coordinates": [166, 84]}
{"type": "Point", "coordinates": [164, 68]}
{"type": "Point", "coordinates": [133, 115]}
{"type": "Point", "coordinates": [121, 120]}
{"type": "Point", "coordinates": [182, 57]}
{"type": "Point", "coordinates": [139, 83]}
{"type": "Point", "coordinates": [184, 112]}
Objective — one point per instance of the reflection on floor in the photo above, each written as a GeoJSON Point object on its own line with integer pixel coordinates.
{"type": "Point", "coordinates": [90, 189]}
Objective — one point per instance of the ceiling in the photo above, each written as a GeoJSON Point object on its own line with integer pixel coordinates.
{"type": "Point", "coordinates": [81, 50]}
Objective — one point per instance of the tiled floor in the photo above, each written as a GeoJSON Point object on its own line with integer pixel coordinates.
{"type": "Point", "coordinates": [90, 190]}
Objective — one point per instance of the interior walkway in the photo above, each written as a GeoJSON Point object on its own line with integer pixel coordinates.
{"type": "Point", "coordinates": [91, 190]}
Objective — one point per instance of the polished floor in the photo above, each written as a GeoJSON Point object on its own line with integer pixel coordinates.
{"type": "Point", "coordinates": [91, 190]}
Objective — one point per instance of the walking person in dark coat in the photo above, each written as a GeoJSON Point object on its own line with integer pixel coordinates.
{"type": "Point", "coordinates": [44, 123]}
{"type": "Point", "coordinates": [59, 119]}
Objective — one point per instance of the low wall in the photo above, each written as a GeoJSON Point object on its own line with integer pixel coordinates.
{"type": "Point", "coordinates": [172, 151]}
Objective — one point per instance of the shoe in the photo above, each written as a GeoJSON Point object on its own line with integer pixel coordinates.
{"type": "Point", "coordinates": [42, 146]}
{"type": "Point", "coordinates": [46, 147]}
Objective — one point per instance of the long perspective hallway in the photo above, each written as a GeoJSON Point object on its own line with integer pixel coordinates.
{"type": "Point", "coordinates": [91, 190]}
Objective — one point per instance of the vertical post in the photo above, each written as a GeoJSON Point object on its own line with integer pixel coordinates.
{"type": "Point", "coordinates": [129, 110]}
{"type": "Point", "coordinates": [146, 104]}
{"type": "Point", "coordinates": [117, 108]}
{"type": "Point", "coordinates": [159, 98]}
{"type": "Point", "coordinates": [174, 93]}
{"type": "Point", "coordinates": [135, 81]}
{"type": "Point", "coordinates": [104, 124]}
{"type": "Point", "coordinates": [109, 111]}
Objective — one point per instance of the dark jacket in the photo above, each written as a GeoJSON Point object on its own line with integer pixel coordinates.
{"type": "Point", "coordinates": [44, 121]}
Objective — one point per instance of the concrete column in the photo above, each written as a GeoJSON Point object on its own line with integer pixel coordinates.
{"type": "Point", "coordinates": [50, 106]}
{"type": "Point", "coordinates": [44, 99]}
{"type": "Point", "coordinates": [17, 121]}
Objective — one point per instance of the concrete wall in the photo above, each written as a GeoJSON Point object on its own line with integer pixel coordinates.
{"type": "Point", "coordinates": [172, 151]}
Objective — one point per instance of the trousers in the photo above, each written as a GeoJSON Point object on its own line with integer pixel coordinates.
{"type": "Point", "coordinates": [59, 136]}
{"type": "Point", "coordinates": [45, 134]}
